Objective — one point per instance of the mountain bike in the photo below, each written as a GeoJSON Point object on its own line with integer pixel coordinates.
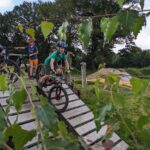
{"type": "Point", "coordinates": [8, 66]}
{"type": "Point", "coordinates": [57, 94]}
{"type": "Point", "coordinates": [21, 60]}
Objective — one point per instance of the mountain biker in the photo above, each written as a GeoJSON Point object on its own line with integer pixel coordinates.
{"type": "Point", "coordinates": [53, 63]}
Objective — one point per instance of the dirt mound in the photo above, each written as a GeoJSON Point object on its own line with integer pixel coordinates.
{"type": "Point", "coordinates": [104, 71]}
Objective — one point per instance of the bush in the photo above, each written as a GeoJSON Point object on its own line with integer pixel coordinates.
{"type": "Point", "coordinates": [145, 71]}
{"type": "Point", "coordinates": [134, 72]}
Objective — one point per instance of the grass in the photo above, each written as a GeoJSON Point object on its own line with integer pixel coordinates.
{"type": "Point", "coordinates": [134, 108]}
{"type": "Point", "coordinates": [140, 72]}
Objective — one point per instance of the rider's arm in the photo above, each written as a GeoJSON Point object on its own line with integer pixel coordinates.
{"type": "Point", "coordinates": [67, 64]}
{"type": "Point", "coordinates": [52, 63]}
{"type": "Point", "coordinates": [35, 52]}
{"type": "Point", "coordinates": [20, 47]}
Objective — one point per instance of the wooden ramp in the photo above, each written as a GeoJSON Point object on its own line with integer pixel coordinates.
{"type": "Point", "coordinates": [77, 116]}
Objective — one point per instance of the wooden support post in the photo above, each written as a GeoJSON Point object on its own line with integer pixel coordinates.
{"type": "Point", "coordinates": [83, 73]}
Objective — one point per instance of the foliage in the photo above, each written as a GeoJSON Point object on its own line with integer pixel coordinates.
{"type": "Point", "coordinates": [3, 83]}
{"type": "Point", "coordinates": [46, 28]}
{"type": "Point", "coordinates": [109, 27]}
{"type": "Point", "coordinates": [127, 112]}
{"type": "Point", "coordinates": [140, 72]}
{"type": "Point", "coordinates": [63, 30]}
{"type": "Point", "coordinates": [45, 118]}
{"type": "Point", "coordinates": [19, 136]}
{"type": "Point", "coordinates": [31, 32]}
{"type": "Point", "coordinates": [84, 31]}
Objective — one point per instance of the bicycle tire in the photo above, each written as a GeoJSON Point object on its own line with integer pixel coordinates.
{"type": "Point", "coordinates": [62, 93]}
{"type": "Point", "coordinates": [38, 71]}
{"type": "Point", "coordinates": [16, 68]}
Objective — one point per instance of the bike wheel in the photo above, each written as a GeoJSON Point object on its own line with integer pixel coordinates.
{"type": "Point", "coordinates": [10, 68]}
{"type": "Point", "coordinates": [40, 72]}
{"type": "Point", "coordinates": [58, 98]}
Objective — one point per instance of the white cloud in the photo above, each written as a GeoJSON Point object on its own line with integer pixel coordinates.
{"type": "Point", "coordinates": [143, 39]}
{"type": "Point", "coordinates": [5, 3]}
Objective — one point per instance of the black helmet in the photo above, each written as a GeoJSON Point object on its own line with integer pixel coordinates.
{"type": "Point", "coordinates": [62, 44]}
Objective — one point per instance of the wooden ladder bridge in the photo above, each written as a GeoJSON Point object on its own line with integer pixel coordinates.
{"type": "Point", "coordinates": [77, 116]}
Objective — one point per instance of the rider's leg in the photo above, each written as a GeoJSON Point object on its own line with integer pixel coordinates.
{"type": "Point", "coordinates": [30, 67]}
{"type": "Point", "coordinates": [47, 74]}
{"type": "Point", "coordinates": [35, 64]}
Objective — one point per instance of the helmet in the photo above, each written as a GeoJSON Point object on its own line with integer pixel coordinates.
{"type": "Point", "coordinates": [62, 44]}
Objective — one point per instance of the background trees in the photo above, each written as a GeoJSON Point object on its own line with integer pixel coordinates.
{"type": "Point", "coordinates": [75, 11]}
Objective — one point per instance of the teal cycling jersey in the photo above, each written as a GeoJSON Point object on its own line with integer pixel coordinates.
{"type": "Point", "coordinates": [56, 56]}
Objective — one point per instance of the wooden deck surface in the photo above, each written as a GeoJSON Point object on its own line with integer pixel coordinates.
{"type": "Point", "coordinates": [77, 115]}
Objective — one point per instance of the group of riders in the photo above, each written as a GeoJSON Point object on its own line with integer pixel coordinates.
{"type": "Point", "coordinates": [53, 63]}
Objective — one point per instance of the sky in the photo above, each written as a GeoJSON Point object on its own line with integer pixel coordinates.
{"type": "Point", "coordinates": [8, 5]}
{"type": "Point", "coordinates": [143, 38]}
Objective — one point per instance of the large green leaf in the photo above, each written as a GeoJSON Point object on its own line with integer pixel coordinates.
{"type": "Point", "coordinates": [62, 144]}
{"type": "Point", "coordinates": [63, 30]}
{"type": "Point", "coordinates": [20, 27]}
{"type": "Point", "coordinates": [109, 27]}
{"type": "Point", "coordinates": [47, 115]}
{"type": "Point", "coordinates": [84, 31]}
{"type": "Point", "coordinates": [137, 26]}
{"type": "Point", "coordinates": [127, 19]}
{"type": "Point", "coordinates": [19, 136]}
{"type": "Point", "coordinates": [119, 99]}
{"type": "Point", "coordinates": [62, 129]}
{"type": "Point", "coordinates": [142, 4]}
{"type": "Point", "coordinates": [31, 32]}
{"type": "Point", "coordinates": [3, 125]}
{"type": "Point", "coordinates": [139, 86]}
{"type": "Point", "coordinates": [120, 2]}
{"type": "Point", "coordinates": [46, 28]}
{"type": "Point", "coordinates": [107, 108]}
{"type": "Point", "coordinates": [19, 98]}
{"type": "Point", "coordinates": [3, 83]}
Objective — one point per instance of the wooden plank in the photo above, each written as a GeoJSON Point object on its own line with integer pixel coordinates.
{"type": "Point", "coordinates": [29, 126]}
{"type": "Point", "coordinates": [97, 146]}
{"type": "Point", "coordinates": [3, 101]}
{"type": "Point", "coordinates": [91, 138]}
{"type": "Point", "coordinates": [75, 112]}
{"type": "Point", "coordinates": [86, 128]}
{"type": "Point", "coordinates": [81, 119]}
{"type": "Point", "coordinates": [73, 97]}
{"type": "Point", "coordinates": [63, 99]}
{"type": "Point", "coordinates": [5, 94]}
{"type": "Point", "coordinates": [72, 104]}
{"type": "Point", "coordinates": [25, 107]}
{"type": "Point", "coordinates": [114, 137]}
{"type": "Point", "coordinates": [37, 147]}
{"type": "Point", "coordinates": [21, 118]}
{"type": "Point", "coordinates": [65, 86]}
{"type": "Point", "coordinates": [34, 140]}
{"type": "Point", "coordinates": [121, 146]}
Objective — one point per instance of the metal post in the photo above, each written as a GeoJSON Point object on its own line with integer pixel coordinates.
{"type": "Point", "coordinates": [83, 73]}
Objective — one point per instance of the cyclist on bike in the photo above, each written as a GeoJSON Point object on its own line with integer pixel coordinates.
{"type": "Point", "coordinates": [53, 63]}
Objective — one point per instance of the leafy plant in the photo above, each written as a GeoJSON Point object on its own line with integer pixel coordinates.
{"type": "Point", "coordinates": [85, 29]}
{"type": "Point", "coordinates": [46, 28]}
